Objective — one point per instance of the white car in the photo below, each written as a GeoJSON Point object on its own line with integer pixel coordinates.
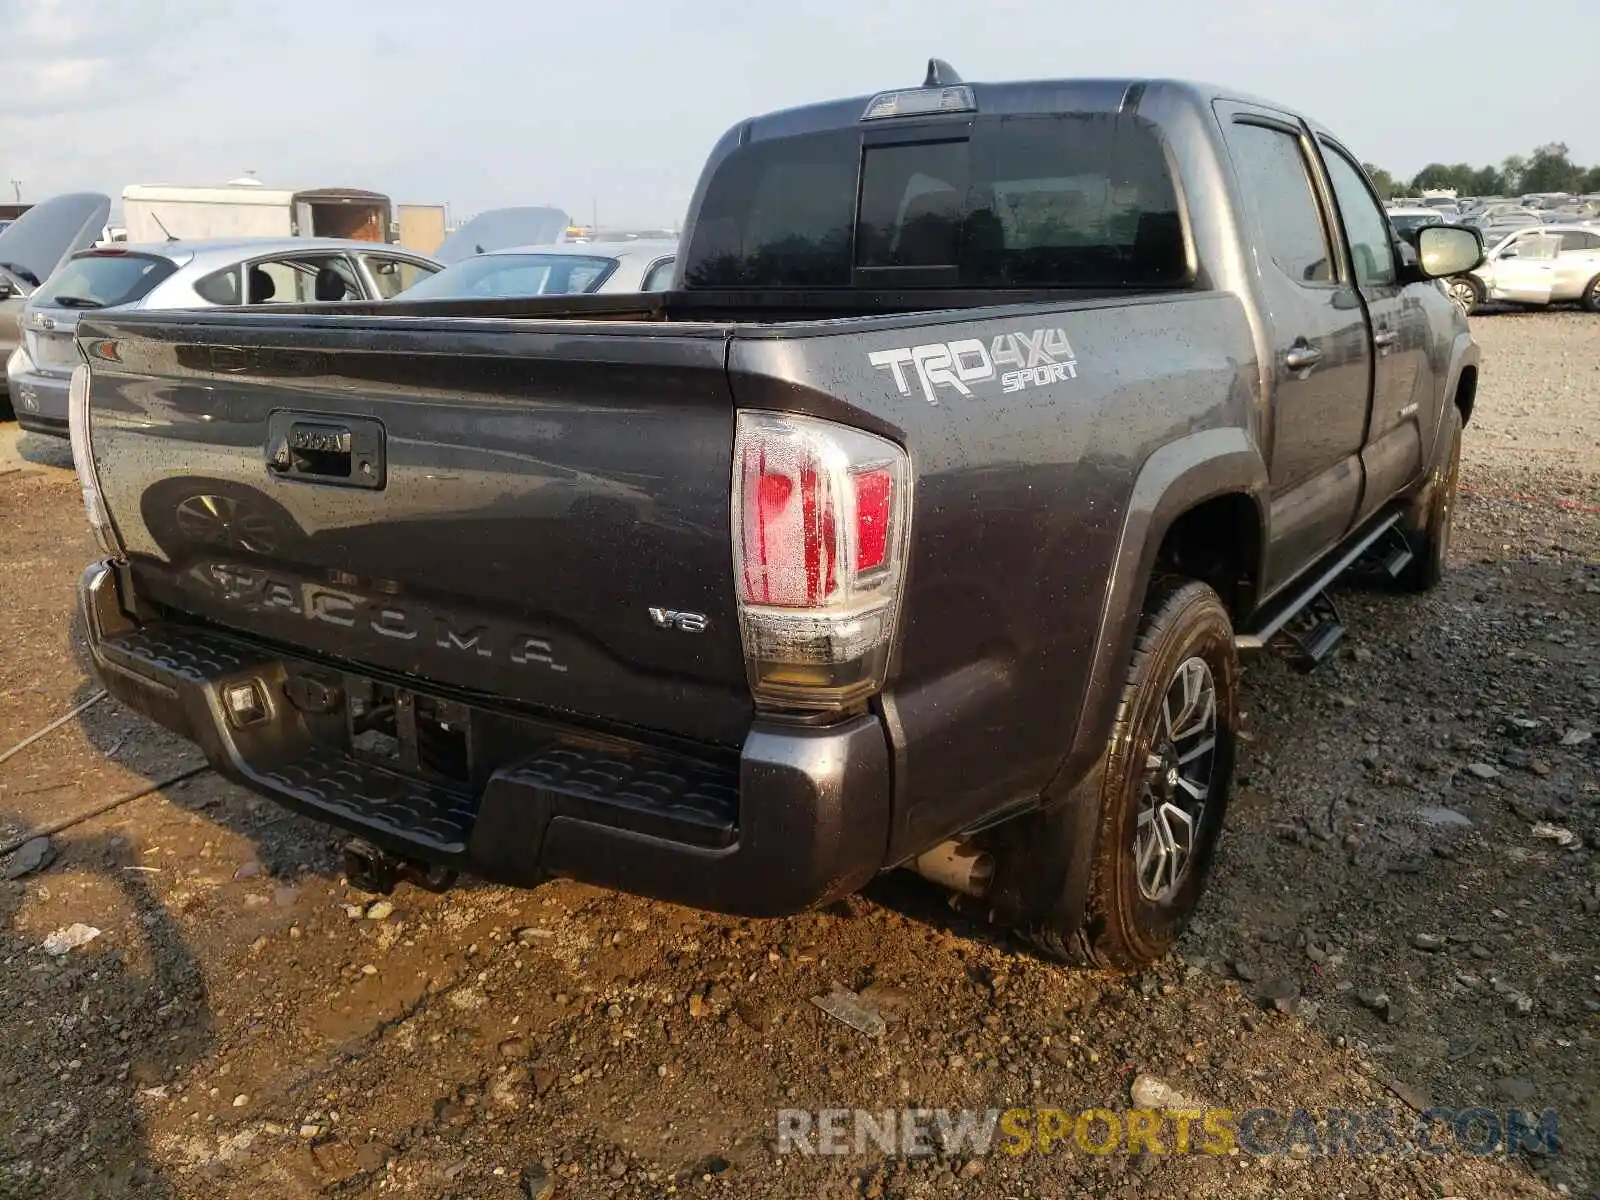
{"type": "Point", "coordinates": [1545, 264]}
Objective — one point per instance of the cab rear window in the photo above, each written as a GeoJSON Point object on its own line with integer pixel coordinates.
{"type": "Point", "coordinates": [1068, 200]}
{"type": "Point", "coordinates": [100, 280]}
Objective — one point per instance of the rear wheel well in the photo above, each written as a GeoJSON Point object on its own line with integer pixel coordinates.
{"type": "Point", "coordinates": [1467, 392]}
{"type": "Point", "coordinates": [1218, 542]}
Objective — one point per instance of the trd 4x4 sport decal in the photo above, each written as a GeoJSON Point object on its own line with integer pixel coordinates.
{"type": "Point", "coordinates": [1035, 359]}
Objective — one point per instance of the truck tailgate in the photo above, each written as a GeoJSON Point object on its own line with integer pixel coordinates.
{"type": "Point", "coordinates": [539, 515]}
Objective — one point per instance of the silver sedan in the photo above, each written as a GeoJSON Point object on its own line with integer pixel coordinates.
{"type": "Point", "coordinates": [186, 274]}
{"type": "Point", "coordinates": [637, 265]}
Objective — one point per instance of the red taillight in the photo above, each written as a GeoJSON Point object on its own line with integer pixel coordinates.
{"type": "Point", "coordinates": [819, 528]}
{"type": "Point", "coordinates": [787, 540]}
{"type": "Point", "coordinates": [874, 514]}
{"type": "Point", "coordinates": [790, 535]}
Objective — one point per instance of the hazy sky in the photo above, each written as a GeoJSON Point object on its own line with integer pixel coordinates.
{"type": "Point", "coordinates": [481, 103]}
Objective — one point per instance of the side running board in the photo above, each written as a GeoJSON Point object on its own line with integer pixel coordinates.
{"type": "Point", "coordinates": [1304, 620]}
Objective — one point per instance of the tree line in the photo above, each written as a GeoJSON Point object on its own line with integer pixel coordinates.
{"type": "Point", "coordinates": [1548, 169]}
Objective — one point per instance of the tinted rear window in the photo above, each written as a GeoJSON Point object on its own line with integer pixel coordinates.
{"type": "Point", "coordinates": [104, 280]}
{"type": "Point", "coordinates": [508, 276]}
{"type": "Point", "coordinates": [1072, 200]}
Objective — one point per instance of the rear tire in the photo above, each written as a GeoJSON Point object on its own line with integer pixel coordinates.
{"type": "Point", "coordinates": [1162, 787]}
{"type": "Point", "coordinates": [1430, 542]}
{"type": "Point", "coordinates": [6, 411]}
{"type": "Point", "coordinates": [1591, 295]}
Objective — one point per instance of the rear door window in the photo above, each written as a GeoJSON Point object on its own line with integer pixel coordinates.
{"type": "Point", "coordinates": [301, 280]}
{"type": "Point", "coordinates": [104, 280]}
{"type": "Point", "coordinates": [1274, 176]}
{"type": "Point", "coordinates": [1069, 200]}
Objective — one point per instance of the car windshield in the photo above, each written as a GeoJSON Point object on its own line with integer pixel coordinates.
{"type": "Point", "coordinates": [508, 276]}
{"type": "Point", "coordinates": [1070, 199]}
{"type": "Point", "coordinates": [102, 280]}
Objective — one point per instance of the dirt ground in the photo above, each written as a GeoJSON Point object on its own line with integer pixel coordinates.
{"type": "Point", "coordinates": [1403, 913]}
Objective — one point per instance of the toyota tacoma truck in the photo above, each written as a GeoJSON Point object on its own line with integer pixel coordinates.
{"type": "Point", "coordinates": [922, 522]}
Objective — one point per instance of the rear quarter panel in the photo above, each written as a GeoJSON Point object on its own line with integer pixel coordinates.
{"type": "Point", "coordinates": [1022, 503]}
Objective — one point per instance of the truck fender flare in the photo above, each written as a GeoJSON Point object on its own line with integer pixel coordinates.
{"type": "Point", "coordinates": [1464, 355]}
{"type": "Point", "coordinates": [1176, 478]}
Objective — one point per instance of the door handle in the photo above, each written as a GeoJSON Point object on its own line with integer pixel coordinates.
{"type": "Point", "coordinates": [1302, 357]}
{"type": "Point", "coordinates": [1386, 338]}
{"type": "Point", "coordinates": [337, 452]}
{"type": "Point", "coordinates": [311, 451]}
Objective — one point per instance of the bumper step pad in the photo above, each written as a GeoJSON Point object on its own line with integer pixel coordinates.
{"type": "Point", "coordinates": [425, 815]}
{"type": "Point", "coordinates": [646, 794]}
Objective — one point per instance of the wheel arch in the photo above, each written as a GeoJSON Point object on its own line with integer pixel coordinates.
{"type": "Point", "coordinates": [1191, 494]}
{"type": "Point", "coordinates": [1466, 393]}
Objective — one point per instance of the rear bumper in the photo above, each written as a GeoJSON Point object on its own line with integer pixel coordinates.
{"type": "Point", "coordinates": [801, 818]}
{"type": "Point", "coordinates": [40, 400]}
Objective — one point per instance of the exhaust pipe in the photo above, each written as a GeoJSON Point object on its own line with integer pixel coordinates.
{"type": "Point", "coordinates": [959, 866]}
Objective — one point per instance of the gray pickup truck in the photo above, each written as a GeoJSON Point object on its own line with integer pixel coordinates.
{"type": "Point", "coordinates": [921, 523]}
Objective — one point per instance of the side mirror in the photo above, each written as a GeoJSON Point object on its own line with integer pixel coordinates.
{"type": "Point", "coordinates": [1446, 250]}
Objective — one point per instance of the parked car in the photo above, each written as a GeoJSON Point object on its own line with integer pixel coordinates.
{"type": "Point", "coordinates": [1502, 208]}
{"type": "Point", "coordinates": [32, 246]}
{"type": "Point", "coordinates": [1571, 214]}
{"type": "Point", "coordinates": [197, 274]}
{"type": "Point", "coordinates": [1548, 264]}
{"type": "Point", "coordinates": [921, 522]}
{"type": "Point", "coordinates": [562, 270]}
{"type": "Point", "coordinates": [502, 227]}
{"type": "Point", "coordinates": [1407, 221]}
{"type": "Point", "coordinates": [1498, 227]}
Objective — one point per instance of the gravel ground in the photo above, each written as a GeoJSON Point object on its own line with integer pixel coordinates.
{"type": "Point", "coordinates": [1403, 913]}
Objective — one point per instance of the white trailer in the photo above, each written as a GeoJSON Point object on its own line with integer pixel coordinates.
{"type": "Point", "coordinates": [247, 209]}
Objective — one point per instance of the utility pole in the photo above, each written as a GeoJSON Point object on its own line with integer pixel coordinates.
{"type": "Point", "coordinates": [16, 186]}
{"type": "Point", "coordinates": [594, 214]}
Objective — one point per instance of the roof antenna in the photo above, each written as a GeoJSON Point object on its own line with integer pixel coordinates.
{"type": "Point", "coordinates": [162, 227]}
{"type": "Point", "coordinates": [941, 74]}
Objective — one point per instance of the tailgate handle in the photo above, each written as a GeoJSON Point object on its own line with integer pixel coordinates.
{"type": "Point", "coordinates": [332, 451]}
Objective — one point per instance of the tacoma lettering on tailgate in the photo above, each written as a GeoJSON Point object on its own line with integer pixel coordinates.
{"type": "Point", "coordinates": [387, 617]}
